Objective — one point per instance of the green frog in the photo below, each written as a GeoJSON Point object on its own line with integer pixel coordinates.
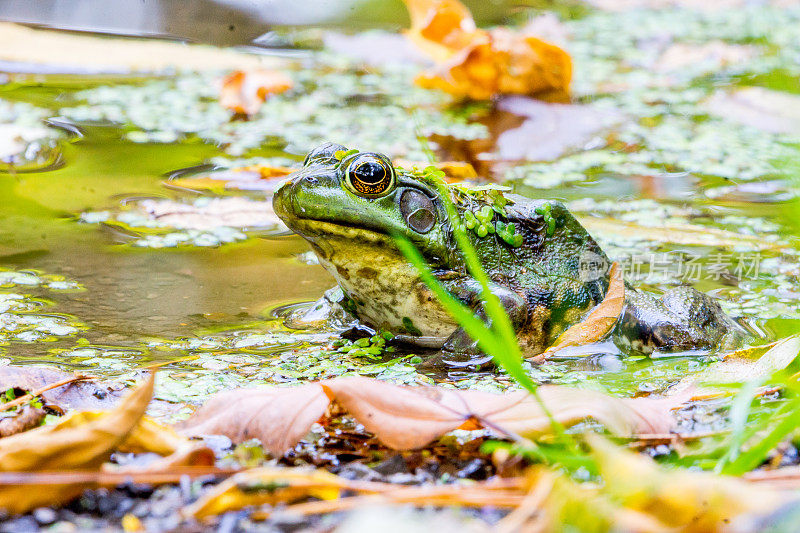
{"type": "Point", "coordinates": [544, 267]}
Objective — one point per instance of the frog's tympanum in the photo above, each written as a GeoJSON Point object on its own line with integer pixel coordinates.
{"type": "Point", "coordinates": [544, 266]}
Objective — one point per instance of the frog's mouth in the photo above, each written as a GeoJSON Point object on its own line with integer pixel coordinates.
{"type": "Point", "coordinates": [313, 230]}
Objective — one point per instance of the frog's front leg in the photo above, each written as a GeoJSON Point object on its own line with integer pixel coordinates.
{"type": "Point", "coordinates": [682, 319]}
{"type": "Point", "coordinates": [462, 350]}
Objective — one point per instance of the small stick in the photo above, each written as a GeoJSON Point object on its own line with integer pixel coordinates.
{"type": "Point", "coordinates": [111, 479]}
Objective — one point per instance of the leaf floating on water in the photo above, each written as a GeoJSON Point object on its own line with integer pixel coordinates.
{"type": "Point", "coordinates": [600, 321]}
{"type": "Point", "coordinates": [243, 92]}
{"type": "Point", "coordinates": [770, 111]}
{"type": "Point", "coordinates": [480, 64]}
{"type": "Point", "coordinates": [67, 447]}
{"type": "Point", "coordinates": [740, 366]}
{"type": "Point", "coordinates": [691, 234]}
{"type": "Point", "coordinates": [73, 394]}
{"type": "Point", "coordinates": [411, 417]}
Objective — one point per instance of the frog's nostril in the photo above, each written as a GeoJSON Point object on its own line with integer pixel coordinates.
{"type": "Point", "coordinates": [310, 180]}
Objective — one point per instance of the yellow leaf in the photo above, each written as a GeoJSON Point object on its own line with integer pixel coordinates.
{"type": "Point", "coordinates": [271, 486]}
{"type": "Point", "coordinates": [147, 436]}
{"type": "Point", "coordinates": [64, 447]}
{"type": "Point", "coordinates": [694, 501]}
{"type": "Point", "coordinates": [600, 321]}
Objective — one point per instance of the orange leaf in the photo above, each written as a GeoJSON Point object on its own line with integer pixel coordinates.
{"type": "Point", "coordinates": [600, 321]}
{"type": "Point", "coordinates": [243, 91]}
{"type": "Point", "coordinates": [480, 64]}
{"type": "Point", "coordinates": [440, 27]}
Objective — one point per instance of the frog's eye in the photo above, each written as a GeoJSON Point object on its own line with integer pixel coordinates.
{"type": "Point", "coordinates": [324, 154]}
{"type": "Point", "coordinates": [418, 210]}
{"type": "Point", "coordinates": [369, 175]}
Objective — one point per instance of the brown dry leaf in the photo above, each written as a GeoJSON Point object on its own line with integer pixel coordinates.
{"type": "Point", "coordinates": [411, 417]}
{"type": "Point", "coordinates": [691, 234]}
{"type": "Point", "coordinates": [693, 501]}
{"type": "Point", "coordinates": [243, 92]}
{"type": "Point", "coordinates": [480, 64]}
{"type": "Point", "coordinates": [259, 486]}
{"type": "Point", "coordinates": [77, 395]}
{"type": "Point", "coordinates": [600, 321]}
{"type": "Point", "coordinates": [66, 447]}
{"type": "Point", "coordinates": [280, 417]}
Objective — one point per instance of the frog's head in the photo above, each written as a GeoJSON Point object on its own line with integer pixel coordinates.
{"type": "Point", "coordinates": [361, 199]}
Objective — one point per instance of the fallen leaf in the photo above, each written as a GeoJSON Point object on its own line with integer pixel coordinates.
{"type": "Point", "coordinates": [694, 501]}
{"type": "Point", "coordinates": [480, 64]}
{"type": "Point", "coordinates": [74, 395]}
{"type": "Point", "coordinates": [600, 321]}
{"type": "Point", "coordinates": [549, 130]}
{"type": "Point", "coordinates": [280, 417]}
{"type": "Point", "coordinates": [243, 92]}
{"type": "Point", "coordinates": [232, 212]}
{"type": "Point", "coordinates": [411, 417]}
{"type": "Point", "coordinates": [738, 367]}
{"type": "Point", "coordinates": [269, 485]}
{"type": "Point", "coordinates": [147, 436]}
{"type": "Point", "coordinates": [764, 109]}
{"type": "Point", "coordinates": [441, 28]}
{"type": "Point", "coordinates": [691, 234]}
{"type": "Point", "coordinates": [64, 447]}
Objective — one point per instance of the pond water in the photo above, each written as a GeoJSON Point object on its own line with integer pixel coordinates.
{"type": "Point", "coordinates": [658, 160]}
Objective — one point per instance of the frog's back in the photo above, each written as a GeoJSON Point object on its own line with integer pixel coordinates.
{"type": "Point", "coordinates": [560, 269]}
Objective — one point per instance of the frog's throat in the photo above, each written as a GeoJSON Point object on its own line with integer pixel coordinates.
{"type": "Point", "coordinates": [384, 286]}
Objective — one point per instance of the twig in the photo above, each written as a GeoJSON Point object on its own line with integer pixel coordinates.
{"type": "Point", "coordinates": [531, 504]}
{"type": "Point", "coordinates": [422, 496]}
{"type": "Point", "coordinates": [111, 479]}
{"type": "Point", "coordinates": [28, 397]}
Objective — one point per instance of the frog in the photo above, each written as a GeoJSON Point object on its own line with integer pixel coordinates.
{"type": "Point", "coordinates": [544, 267]}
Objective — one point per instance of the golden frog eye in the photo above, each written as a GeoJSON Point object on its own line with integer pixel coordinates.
{"type": "Point", "coordinates": [370, 175]}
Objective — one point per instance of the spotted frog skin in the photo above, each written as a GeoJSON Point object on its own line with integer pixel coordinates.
{"type": "Point", "coordinates": [545, 268]}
